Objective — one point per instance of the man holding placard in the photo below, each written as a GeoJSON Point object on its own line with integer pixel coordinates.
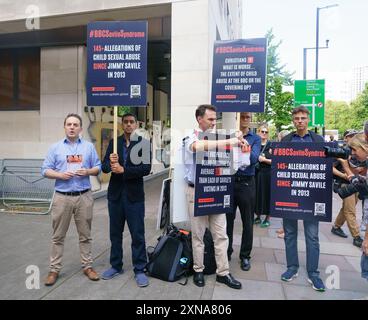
{"type": "Point", "coordinates": [300, 116]}
{"type": "Point", "coordinates": [206, 118]}
{"type": "Point", "coordinates": [125, 197]}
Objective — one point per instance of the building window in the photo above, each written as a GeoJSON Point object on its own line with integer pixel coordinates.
{"type": "Point", "coordinates": [20, 79]}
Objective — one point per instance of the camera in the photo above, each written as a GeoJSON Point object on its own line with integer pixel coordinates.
{"type": "Point", "coordinates": [340, 152]}
{"type": "Point", "coordinates": [344, 153]}
{"type": "Point", "coordinates": [355, 163]}
{"type": "Point", "coordinates": [358, 184]}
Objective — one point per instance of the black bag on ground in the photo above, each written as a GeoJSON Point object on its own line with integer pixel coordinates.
{"type": "Point", "coordinates": [172, 257]}
{"type": "Point", "coordinates": [209, 260]}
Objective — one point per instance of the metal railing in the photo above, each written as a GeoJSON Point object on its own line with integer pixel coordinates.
{"type": "Point", "coordinates": [22, 187]}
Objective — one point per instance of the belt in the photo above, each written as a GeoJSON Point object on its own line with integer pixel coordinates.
{"type": "Point", "coordinates": [243, 178]}
{"type": "Point", "coordinates": [73, 193]}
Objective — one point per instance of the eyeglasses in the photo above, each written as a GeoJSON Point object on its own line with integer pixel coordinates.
{"type": "Point", "coordinates": [264, 131]}
{"type": "Point", "coordinates": [128, 121]}
{"type": "Point", "coordinates": [300, 118]}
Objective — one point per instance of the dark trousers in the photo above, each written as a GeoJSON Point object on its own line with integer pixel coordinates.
{"type": "Point", "coordinates": [120, 211]}
{"type": "Point", "coordinates": [244, 198]}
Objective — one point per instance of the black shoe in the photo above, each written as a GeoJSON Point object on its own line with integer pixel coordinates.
{"type": "Point", "coordinates": [358, 241]}
{"type": "Point", "coordinates": [198, 279]}
{"type": "Point", "coordinates": [229, 281]}
{"type": "Point", "coordinates": [339, 232]}
{"type": "Point", "coordinates": [257, 220]}
{"type": "Point", "coordinates": [245, 264]}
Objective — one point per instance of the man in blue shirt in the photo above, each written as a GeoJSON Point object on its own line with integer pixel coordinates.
{"type": "Point", "coordinates": [244, 195]}
{"type": "Point", "coordinates": [70, 162]}
{"type": "Point", "coordinates": [302, 134]}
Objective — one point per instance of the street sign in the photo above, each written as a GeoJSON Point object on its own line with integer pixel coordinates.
{"type": "Point", "coordinates": [311, 94]}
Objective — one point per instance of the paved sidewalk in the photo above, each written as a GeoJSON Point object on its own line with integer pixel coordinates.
{"type": "Point", "coordinates": [25, 241]}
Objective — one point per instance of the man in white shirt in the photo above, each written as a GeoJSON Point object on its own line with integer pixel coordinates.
{"type": "Point", "coordinates": [206, 117]}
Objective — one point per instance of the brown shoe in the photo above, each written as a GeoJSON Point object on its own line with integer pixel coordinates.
{"type": "Point", "coordinates": [51, 278]}
{"type": "Point", "coordinates": [91, 274]}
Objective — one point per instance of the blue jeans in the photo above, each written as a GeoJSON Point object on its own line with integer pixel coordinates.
{"type": "Point", "coordinates": [120, 211]}
{"type": "Point", "coordinates": [312, 245]}
{"type": "Point", "coordinates": [364, 265]}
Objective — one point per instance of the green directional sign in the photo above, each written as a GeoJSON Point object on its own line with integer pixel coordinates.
{"type": "Point", "coordinates": [311, 94]}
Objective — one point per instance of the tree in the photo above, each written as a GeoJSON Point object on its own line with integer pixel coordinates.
{"type": "Point", "coordinates": [337, 115]}
{"type": "Point", "coordinates": [359, 109]}
{"type": "Point", "coordinates": [342, 116]}
{"type": "Point", "coordinates": [282, 105]}
{"type": "Point", "coordinates": [278, 104]}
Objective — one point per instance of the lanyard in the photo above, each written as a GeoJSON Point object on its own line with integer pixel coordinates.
{"type": "Point", "coordinates": [264, 147]}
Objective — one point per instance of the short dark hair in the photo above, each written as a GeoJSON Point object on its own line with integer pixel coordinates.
{"type": "Point", "coordinates": [129, 115]}
{"type": "Point", "coordinates": [300, 109]}
{"type": "Point", "coordinates": [69, 115]}
{"type": "Point", "coordinates": [201, 110]}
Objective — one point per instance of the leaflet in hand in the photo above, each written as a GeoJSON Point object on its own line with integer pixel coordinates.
{"type": "Point", "coordinates": [241, 159]}
{"type": "Point", "coordinates": [74, 162]}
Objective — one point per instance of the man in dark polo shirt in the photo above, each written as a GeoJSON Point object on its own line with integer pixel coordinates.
{"type": "Point", "coordinates": [125, 197]}
{"type": "Point", "coordinates": [300, 116]}
{"type": "Point", "coordinates": [244, 195]}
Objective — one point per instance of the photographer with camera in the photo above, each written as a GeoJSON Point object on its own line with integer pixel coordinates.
{"type": "Point", "coordinates": [359, 148]}
{"type": "Point", "coordinates": [363, 227]}
{"type": "Point", "coordinates": [365, 210]}
{"type": "Point", "coordinates": [341, 183]}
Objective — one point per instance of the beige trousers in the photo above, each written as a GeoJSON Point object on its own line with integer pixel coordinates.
{"type": "Point", "coordinates": [63, 208]}
{"type": "Point", "coordinates": [348, 213]}
{"type": "Point", "coordinates": [217, 225]}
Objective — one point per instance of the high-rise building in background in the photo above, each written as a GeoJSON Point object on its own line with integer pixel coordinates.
{"type": "Point", "coordinates": [358, 81]}
{"type": "Point", "coordinates": [346, 86]}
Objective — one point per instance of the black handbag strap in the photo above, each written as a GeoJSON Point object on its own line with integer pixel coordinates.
{"type": "Point", "coordinates": [264, 147]}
